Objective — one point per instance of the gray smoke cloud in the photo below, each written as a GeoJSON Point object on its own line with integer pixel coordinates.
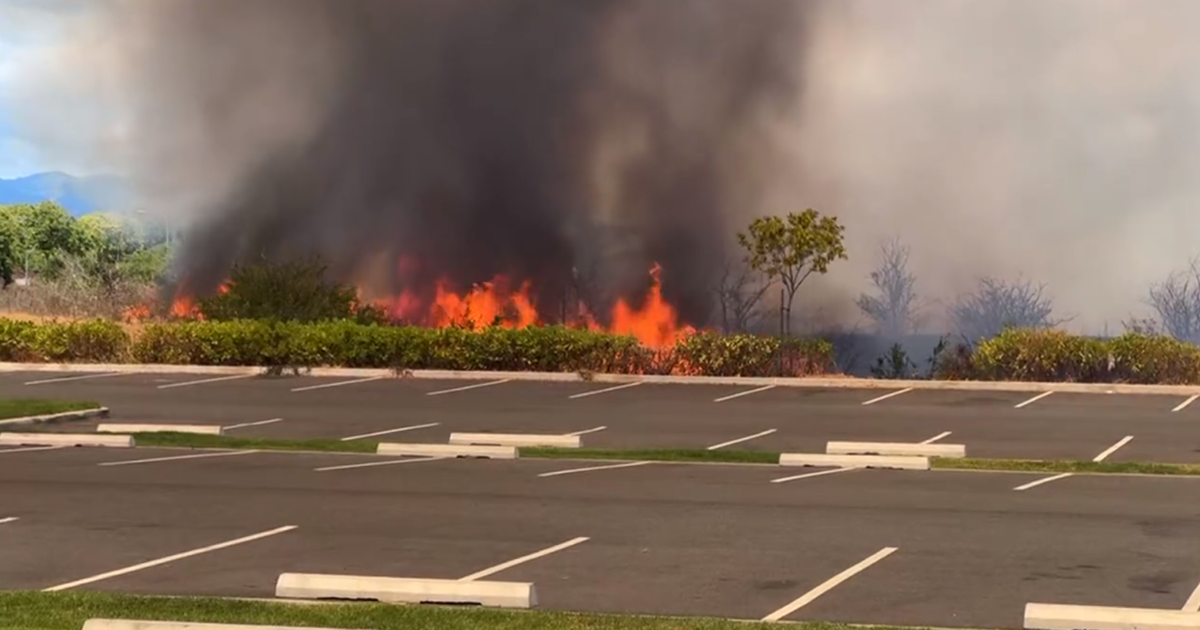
{"type": "Point", "coordinates": [1055, 139]}
{"type": "Point", "coordinates": [464, 139]}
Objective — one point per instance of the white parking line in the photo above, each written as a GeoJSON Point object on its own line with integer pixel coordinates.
{"type": "Point", "coordinates": [26, 449]}
{"type": "Point", "coordinates": [572, 471]}
{"type": "Point", "coordinates": [391, 462]}
{"type": "Point", "coordinates": [252, 424]}
{"type": "Point", "coordinates": [8, 519]}
{"type": "Point", "coordinates": [1183, 405]}
{"type": "Point", "coordinates": [400, 430]}
{"type": "Point", "coordinates": [944, 434]}
{"type": "Point", "coordinates": [887, 396]}
{"type": "Point", "coordinates": [338, 384]}
{"type": "Point", "coordinates": [586, 431]}
{"type": "Point", "coordinates": [605, 390]}
{"type": "Point", "coordinates": [745, 393]}
{"type": "Point", "coordinates": [819, 473]}
{"type": "Point", "coordinates": [74, 378]}
{"type": "Point", "coordinates": [742, 439]}
{"type": "Point", "coordinates": [829, 585]}
{"type": "Point", "coordinates": [1034, 484]}
{"type": "Point", "coordinates": [1193, 603]}
{"type": "Point", "coordinates": [176, 458]}
{"type": "Point", "coordinates": [523, 559]}
{"type": "Point", "coordinates": [1112, 449]}
{"type": "Point", "coordinates": [468, 387]}
{"type": "Point", "coordinates": [205, 380]}
{"type": "Point", "coordinates": [178, 556]}
{"type": "Point", "coordinates": [1033, 400]}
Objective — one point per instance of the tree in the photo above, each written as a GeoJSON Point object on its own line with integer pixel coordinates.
{"type": "Point", "coordinates": [42, 236]}
{"type": "Point", "coordinates": [294, 290]}
{"type": "Point", "coordinates": [996, 305]}
{"type": "Point", "coordinates": [895, 308]}
{"type": "Point", "coordinates": [739, 294]}
{"type": "Point", "coordinates": [790, 249]}
{"type": "Point", "coordinates": [1176, 301]}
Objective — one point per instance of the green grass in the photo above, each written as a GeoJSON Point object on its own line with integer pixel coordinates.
{"type": "Point", "coordinates": [191, 440]}
{"type": "Point", "coordinates": [655, 455]}
{"type": "Point", "coordinates": [194, 440]}
{"type": "Point", "coordinates": [1065, 466]}
{"type": "Point", "coordinates": [68, 610]}
{"type": "Point", "coordinates": [23, 407]}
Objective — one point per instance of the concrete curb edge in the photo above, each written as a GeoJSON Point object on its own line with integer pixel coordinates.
{"type": "Point", "coordinates": [575, 377]}
{"type": "Point", "coordinates": [66, 416]}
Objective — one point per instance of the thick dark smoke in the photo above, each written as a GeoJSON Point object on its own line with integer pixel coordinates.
{"type": "Point", "coordinates": [518, 137]}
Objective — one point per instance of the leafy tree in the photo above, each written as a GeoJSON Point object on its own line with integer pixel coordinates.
{"type": "Point", "coordinates": [895, 307]}
{"type": "Point", "coordinates": [42, 235]}
{"type": "Point", "coordinates": [790, 249]}
{"type": "Point", "coordinates": [291, 291]}
{"type": "Point", "coordinates": [996, 305]}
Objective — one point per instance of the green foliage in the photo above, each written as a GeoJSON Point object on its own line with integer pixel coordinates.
{"type": "Point", "coordinates": [791, 248]}
{"type": "Point", "coordinates": [895, 365]}
{"type": "Point", "coordinates": [1045, 355]}
{"type": "Point", "coordinates": [291, 291]}
{"type": "Point", "coordinates": [77, 342]}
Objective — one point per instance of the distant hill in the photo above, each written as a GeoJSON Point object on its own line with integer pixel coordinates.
{"type": "Point", "coordinates": [79, 195]}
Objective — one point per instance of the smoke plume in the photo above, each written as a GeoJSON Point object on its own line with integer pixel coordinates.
{"type": "Point", "coordinates": [1054, 139]}
{"type": "Point", "coordinates": [408, 141]}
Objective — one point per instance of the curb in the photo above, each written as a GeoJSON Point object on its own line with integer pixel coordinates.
{"type": "Point", "coordinates": [575, 377]}
{"type": "Point", "coordinates": [66, 416]}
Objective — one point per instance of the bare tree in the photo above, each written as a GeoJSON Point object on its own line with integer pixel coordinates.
{"type": "Point", "coordinates": [895, 307]}
{"type": "Point", "coordinates": [739, 294]}
{"type": "Point", "coordinates": [1176, 301]}
{"type": "Point", "coordinates": [997, 304]}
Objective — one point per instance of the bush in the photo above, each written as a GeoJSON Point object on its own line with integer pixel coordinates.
{"type": "Point", "coordinates": [77, 342]}
{"type": "Point", "coordinates": [291, 291]}
{"type": "Point", "coordinates": [1038, 354]}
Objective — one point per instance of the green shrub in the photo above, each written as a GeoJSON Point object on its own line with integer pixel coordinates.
{"type": "Point", "coordinates": [1039, 354]}
{"type": "Point", "coordinates": [290, 291]}
{"type": "Point", "coordinates": [79, 342]}
{"type": "Point", "coordinates": [1138, 358]}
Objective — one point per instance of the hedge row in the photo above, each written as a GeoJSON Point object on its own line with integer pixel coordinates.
{"type": "Point", "coordinates": [1014, 355]}
{"type": "Point", "coordinates": [347, 344]}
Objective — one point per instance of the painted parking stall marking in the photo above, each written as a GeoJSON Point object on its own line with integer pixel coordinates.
{"type": "Point", "coordinates": [169, 559]}
{"type": "Point", "coordinates": [586, 431]}
{"type": "Point", "coordinates": [64, 379]}
{"type": "Point", "coordinates": [252, 424]}
{"type": "Point", "coordinates": [1184, 405]}
{"type": "Point", "coordinates": [1193, 601]}
{"type": "Point", "coordinates": [26, 449]}
{"type": "Point", "coordinates": [1112, 449]}
{"type": "Point", "coordinates": [390, 462]}
{"type": "Point", "coordinates": [1099, 458]}
{"type": "Point", "coordinates": [465, 388]}
{"type": "Point", "coordinates": [887, 396]}
{"type": "Point", "coordinates": [742, 439]}
{"type": "Point", "coordinates": [1026, 403]}
{"type": "Point", "coordinates": [596, 392]}
{"type": "Point", "coordinates": [175, 458]}
{"type": "Point", "coordinates": [390, 431]}
{"type": "Point", "coordinates": [941, 436]}
{"type": "Point", "coordinates": [829, 585]}
{"type": "Point", "coordinates": [338, 383]}
{"type": "Point", "coordinates": [219, 379]}
{"type": "Point", "coordinates": [523, 559]}
{"type": "Point", "coordinates": [572, 471]}
{"type": "Point", "coordinates": [819, 473]}
{"type": "Point", "coordinates": [9, 519]}
{"type": "Point", "coordinates": [744, 393]}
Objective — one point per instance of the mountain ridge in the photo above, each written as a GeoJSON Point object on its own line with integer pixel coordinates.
{"type": "Point", "coordinates": [79, 195]}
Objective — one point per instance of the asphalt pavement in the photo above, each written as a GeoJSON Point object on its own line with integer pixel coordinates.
{"type": "Point", "coordinates": [990, 424]}
{"type": "Point", "coordinates": [946, 549]}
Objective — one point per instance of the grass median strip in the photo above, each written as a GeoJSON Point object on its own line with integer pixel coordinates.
{"type": "Point", "coordinates": [1065, 466]}
{"type": "Point", "coordinates": [25, 407]}
{"type": "Point", "coordinates": [680, 455]}
{"type": "Point", "coordinates": [22, 610]}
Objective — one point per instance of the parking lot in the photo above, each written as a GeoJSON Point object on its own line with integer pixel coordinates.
{"type": "Point", "coordinates": [780, 419]}
{"type": "Point", "coordinates": [938, 548]}
{"type": "Point", "coordinates": [943, 549]}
